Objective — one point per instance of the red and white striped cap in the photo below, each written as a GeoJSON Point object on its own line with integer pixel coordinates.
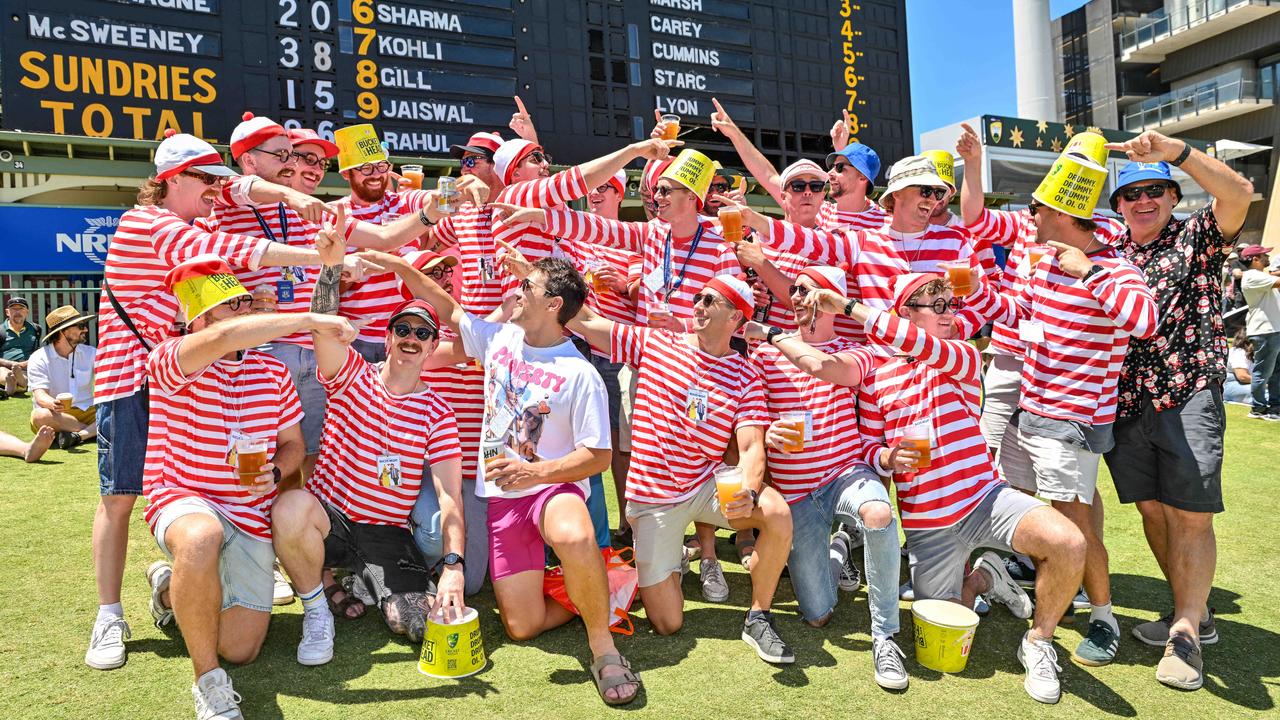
{"type": "Point", "coordinates": [484, 143]}
{"type": "Point", "coordinates": [306, 136]}
{"type": "Point", "coordinates": [828, 277]}
{"type": "Point", "coordinates": [252, 132]}
{"type": "Point", "coordinates": [619, 182]}
{"type": "Point", "coordinates": [509, 156]}
{"type": "Point", "coordinates": [180, 151]}
{"type": "Point", "coordinates": [904, 286]}
{"type": "Point", "coordinates": [653, 170]}
{"type": "Point", "coordinates": [735, 291]}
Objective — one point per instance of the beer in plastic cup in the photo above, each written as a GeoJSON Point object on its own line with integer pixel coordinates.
{"type": "Point", "coordinates": [731, 224]}
{"type": "Point", "coordinates": [728, 483]}
{"type": "Point", "coordinates": [1035, 252]}
{"type": "Point", "coordinates": [251, 455]}
{"type": "Point", "coordinates": [264, 298]}
{"type": "Point", "coordinates": [593, 278]}
{"type": "Point", "coordinates": [673, 127]}
{"type": "Point", "coordinates": [412, 173]}
{"type": "Point", "coordinates": [959, 277]}
{"type": "Point", "coordinates": [659, 310]}
{"type": "Point", "coordinates": [794, 420]}
{"type": "Point", "coordinates": [918, 438]}
{"type": "Point", "coordinates": [447, 202]}
{"type": "Point", "coordinates": [64, 401]}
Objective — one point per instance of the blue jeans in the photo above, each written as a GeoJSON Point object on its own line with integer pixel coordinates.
{"type": "Point", "coordinates": [425, 523]}
{"type": "Point", "coordinates": [813, 572]}
{"type": "Point", "coordinates": [599, 511]}
{"type": "Point", "coordinates": [122, 444]}
{"type": "Point", "coordinates": [1266, 372]}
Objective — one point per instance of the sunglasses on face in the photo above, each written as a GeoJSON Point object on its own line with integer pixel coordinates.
{"type": "Point", "coordinates": [379, 167]}
{"type": "Point", "coordinates": [540, 157]}
{"type": "Point", "coordinates": [940, 305]}
{"type": "Point", "coordinates": [803, 290]}
{"type": "Point", "coordinates": [720, 188]}
{"type": "Point", "coordinates": [927, 192]}
{"type": "Point", "coordinates": [469, 162]}
{"type": "Point", "coordinates": [706, 300]}
{"type": "Point", "coordinates": [663, 191]}
{"type": "Point", "coordinates": [422, 333]}
{"type": "Point", "coordinates": [82, 326]}
{"type": "Point", "coordinates": [813, 186]}
{"type": "Point", "coordinates": [286, 157]}
{"type": "Point", "coordinates": [840, 167]}
{"type": "Point", "coordinates": [311, 159]}
{"type": "Point", "coordinates": [1152, 191]}
{"type": "Point", "coordinates": [205, 178]}
{"type": "Point", "coordinates": [526, 285]}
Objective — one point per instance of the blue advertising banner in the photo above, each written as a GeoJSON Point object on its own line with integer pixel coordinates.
{"type": "Point", "coordinates": [55, 239]}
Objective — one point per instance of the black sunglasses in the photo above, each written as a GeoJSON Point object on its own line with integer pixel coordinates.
{"type": "Point", "coordinates": [540, 156]}
{"type": "Point", "coordinates": [940, 305]}
{"type": "Point", "coordinates": [721, 188]}
{"type": "Point", "coordinates": [814, 186]}
{"type": "Point", "coordinates": [526, 285]}
{"type": "Point", "coordinates": [82, 326]}
{"type": "Point", "coordinates": [422, 333]}
{"type": "Point", "coordinates": [704, 299]}
{"type": "Point", "coordinates": [792, 290]}
{"type": "Point", "coordinates": [929, 191]}
{"type": "Point", "coordinates": [368, 169]}
{"type": "Point", "coordinates": [664, 190]}
{"type": "Point", "coordinates": [205, 178]}
{"type": "Point", "coordinates": [284, 156]}
{"type": "Point", "coordinates": [311, 159]}
{"type": "Point", "coordinates": [1152, 191]}
{"type": "Point", "coordinates": [469, 162]}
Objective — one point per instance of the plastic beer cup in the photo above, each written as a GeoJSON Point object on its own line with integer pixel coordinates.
{"type": "Point", "coordinates": [251, 455]}
{"type": "Point", "coordinates": [1035, 252]}
{"type": "Point", "coordinates": [794, 420]}
{"type": "Point", "coordinates": [731, 224]}
{"type": "Point", "coordinates": [412, 173]}
{"type": "Point", "coordinates": [672, 128]}
{"type": "Point", "coordinates": [728, 483]}
{"type": "Point", "coordinates": [659, 310]}
{"type": "Point", "coordinates": [917, 437]}
{"type": "Point", "coordinates": [64, 401]}
{"type": "Point", "coordinates": [959, 277]}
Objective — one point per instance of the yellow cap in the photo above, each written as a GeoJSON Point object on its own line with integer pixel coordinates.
{"type": "Point", "coordinates": [357, 145]}
{"type": "Point", "coordinates": [201, 283]}
{"type": "Point", "coordinates": [1073, 186]}
{"type": "Point", "coordinates": [945, 165]}
{"type": "Point", "coordinates": [693, 170]}
{"type": "Point", "coordinates": [1089, 144]}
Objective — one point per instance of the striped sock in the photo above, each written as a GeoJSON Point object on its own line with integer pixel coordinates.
{"type": "Point", "coordinates": [313, 600]}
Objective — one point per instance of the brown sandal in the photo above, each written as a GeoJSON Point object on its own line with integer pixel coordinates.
{"type": "Point", "coordinates": [605, 684]}
{"type": "Point", "coordinates": [339, 608]}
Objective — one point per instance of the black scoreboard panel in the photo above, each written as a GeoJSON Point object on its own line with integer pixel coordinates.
{"type": "Point", "coordinates": [428, 73]}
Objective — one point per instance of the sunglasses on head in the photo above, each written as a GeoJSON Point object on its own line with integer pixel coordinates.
{"type": "Point", "coordinates": [814, 186]}
{"type": "Point", "coordinates": [205, 178]}
{"type": "Point", "coordinates": [422, 333]}
{"type": "Point", "coordinates": [310, 159]}
{"type": "Point", "coordinates": [369, 168]}
{"type": "Point", "coordinates": [929, 191]}
{"type": "Point", "coordinates": [540, 156]}
{"type": "Point", "coordinates": [940, 305]}
{"type": "Point", "coordinates": [470, 161]}
{"type": "Point", "coordinates": [1152, 191]}
{"type": "Point", "coordinates": [285, 156]}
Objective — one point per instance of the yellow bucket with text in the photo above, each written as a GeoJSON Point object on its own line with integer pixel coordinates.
{"type": "Point", "coordinates": [1072, 186]}
{"type": "Point", "coordinates": [453, 650]}
{"type": "Point", "coordinates": [944, 634]}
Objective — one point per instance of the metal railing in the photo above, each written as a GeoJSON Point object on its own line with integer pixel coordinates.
{"type": "Point", "coordinates": [1161, 23]}
{"type": "Point", "coordinates": [1191, 101]}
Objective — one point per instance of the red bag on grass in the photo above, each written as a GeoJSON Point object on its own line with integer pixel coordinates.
{"type": "Point", "coordinates": [624, 583]}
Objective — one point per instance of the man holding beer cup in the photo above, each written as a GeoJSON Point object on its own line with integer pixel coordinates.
{"type": "Point", "coordinates": [213, 397]}
{"type": "Point", "coordinates": [918, 414]}
{"type": "Point", "coordinates": [60, 377]}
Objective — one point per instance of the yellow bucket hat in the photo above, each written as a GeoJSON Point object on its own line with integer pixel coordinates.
{"type": "Point", "coordinates": [945, 165]}
{"type": "Point", "coordinates": [1090, 145]}
{"type": "Point", "coordinates": [693, 170]}
{"type": "Point", "coordinates": [202, 283]}
{"type": "Point", "coordinates": [1073, 185]}
{"type": "Point", "coordinates": [357, 145]}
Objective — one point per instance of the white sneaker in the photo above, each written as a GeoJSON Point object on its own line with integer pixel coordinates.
{"type": "Point", "coordinates": [316, 647]}
{"type": "Point", "coordinates": [906, 593]}
{"type": "Point", "coordinates": [158, 577]}
{"type": "Point", "coordinates": [1081, 601]}
{"type": "Point", "coordinates": [1041, 661]}
{"type": "Point", "coordinates": [714, 586]}
{"type": "Point", "coordinates": [1003, 588]}
{"type": "Point", "coordinates": [847, 576]}
{"type": "Point", "coordinates": [215, 698]}
{"type": "Point", "coordinates": [106, 644]}
{"type": "Point", "coordinates": [282, 593]}
{"type": "Point", "coordinates": [891, 674]}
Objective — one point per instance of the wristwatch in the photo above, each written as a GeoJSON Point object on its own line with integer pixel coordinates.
{"type": "Point", "coordinates": [452, 559]}
{"type": "Point", "coordinates": [755, 497]}
{"type": "Point", "coordinates": [1092, 271]}
{"type": "Point", "coordinates": [275, 474]}
{"type": "Point", "coordinates": [848, 307]}
{"type": "Point", "coordinates": [772, 335]}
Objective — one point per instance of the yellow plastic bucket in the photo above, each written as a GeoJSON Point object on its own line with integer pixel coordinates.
{"type": "Point", "coordinates": [453, 650]}
{"type": "Point", "coordinates": [1073, 186]}
{"type": "Point", "coordinates": [944, 634]}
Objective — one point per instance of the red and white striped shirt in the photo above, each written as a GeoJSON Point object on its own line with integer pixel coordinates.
{"type": "Point", "coordinates": [462, 389]}
{"type": "Point", "coordinates": [673, 452]}
{"type": "Point", "coordinates": [938, 382]}
{"type": "Point", "coordinates": [190, 430]}
{"type": "Point", "coordinates": [149, 242]}
{"type": "Point", "coordinates": [534, 242]}
{"type": "Point", "coordinates": [1072, 373]}
{"type": "Point", "coordinates": [789, 265]}
{"type": "Point", "coordinates": [833, 443]}
{"type": "Point", "coordinates": [693, 260]}
{"type": "Point", "coordinates": [373, 300]}
{"type": "Point", "coordinates": [831, 217]}
{"type": "Point", "coordinates": [364, 421]}
{"type": "Point", "coordinates": [1014, 231]}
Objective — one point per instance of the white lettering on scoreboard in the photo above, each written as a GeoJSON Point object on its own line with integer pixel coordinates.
{"type": "Point", "coordinates": [419, 18]}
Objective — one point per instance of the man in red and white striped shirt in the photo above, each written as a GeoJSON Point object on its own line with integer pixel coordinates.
{"type": "Point", "coordinates": [949, 498]}
{"type": "Point", "coordinates": [212, 398]}
{"type": "Point", "coordinates": [697, 399]}
{"type": "Point", "coordinates": [821, 471]}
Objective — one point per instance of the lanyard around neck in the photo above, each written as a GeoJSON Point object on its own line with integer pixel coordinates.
{"type": "Point", "coordinates": [266, 229]}
{"type": "Point", "coordinates": [667, 286]}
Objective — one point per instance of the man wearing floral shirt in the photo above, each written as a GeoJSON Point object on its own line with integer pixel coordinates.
{"type": "Point", "coordinates": [1168, 436]}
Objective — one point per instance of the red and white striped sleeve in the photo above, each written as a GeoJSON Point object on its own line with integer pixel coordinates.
{"type": "Point", "coordinates": [163, 368]}
{"type": "Point", "coordinates": [174, 242]}
{"type": "Point", "coordinates": [290, 406]}
{"type": "Point", "coordinates": [353, 367]}
{"type": "Point", "coordinates": [548, 192]}
{"type": "Point", "coordinates": [1002, 227]}
{"type": "Point", "coordinates": [871, 425]}
{"type": "Point", "coordinates": [1124, 296]}
{"type": "Point", "coordinates": [956, 358]}
{"type": "Point", "coordinates": [626, 343]}
{"type": "Point", "coordinates": [819, 246]}
{"type": "Point", "coordinates": [235, 192]}
{"type": "Point", "coordinates": [753, 410]}
{"type": "Point", "coordinates": [443, 233]}
{"type": "Point", "coordinates": [442, 432]}
{"type": "Point", "coordinates": [586, 227]}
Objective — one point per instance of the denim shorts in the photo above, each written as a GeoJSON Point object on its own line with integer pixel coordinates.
{"type": "Point", "coordinates": [244, 562]}
{"type": "Point", "coordinates": [122, 444]}
{"type": "Point", "coordinates": [302, 368]}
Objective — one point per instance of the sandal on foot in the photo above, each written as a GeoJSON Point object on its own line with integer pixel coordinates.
{"type": "Point", "coordinates": [605, 684]}
{"type": "Point", "coordinates": [339, 608]}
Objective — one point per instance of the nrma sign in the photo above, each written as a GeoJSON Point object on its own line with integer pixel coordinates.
{"type": "Point", "coordinates": [56, 239]}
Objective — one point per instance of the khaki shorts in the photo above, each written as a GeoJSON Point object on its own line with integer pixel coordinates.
{"type": "Point", "coordinates": [84, 417]}
{"type": "Point", "coordinates": [627, 381]}
{"type": "Point", "coordinates": [658, 531]}
{"type": "Point", "coordinates": [244, 562]}
{"type": "Point", "coordinates": [1051, 468]}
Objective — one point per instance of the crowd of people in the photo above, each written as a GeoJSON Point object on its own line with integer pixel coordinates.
{"type": "Point", "coordinates": [406, 394]}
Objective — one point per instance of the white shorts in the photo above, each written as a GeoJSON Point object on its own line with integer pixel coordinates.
{"type": "Point", "coordinates": [244, 562]}
{"type": "Point", "coordinates": [1051, 468]}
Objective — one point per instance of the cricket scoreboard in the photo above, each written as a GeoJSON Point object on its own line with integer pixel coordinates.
{"type": "Point", "coordinates": [428, 73]}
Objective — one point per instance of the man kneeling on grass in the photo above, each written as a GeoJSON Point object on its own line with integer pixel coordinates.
{"type": "Point", "coordinates": [545, 432]}
{"type": "Point", "coordinates": [956, 504]}
{"type": "Point", "coordinates": [209, 390]}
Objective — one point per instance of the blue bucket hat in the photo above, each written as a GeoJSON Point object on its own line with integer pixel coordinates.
{"type": "Point", "coordinates": [861, 157]}
{"type": "Point", "coordinates": [1136, 172]}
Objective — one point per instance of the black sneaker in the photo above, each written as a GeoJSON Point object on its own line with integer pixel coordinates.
{"type": "Point", "coordinates": [1099, 647]}
{"type": "Point", "coordinates": [1156, 632]}
{"type": "Point", "coordinates": [762, 635]}
{"type": "Point", "coordinates": [1022, 573]}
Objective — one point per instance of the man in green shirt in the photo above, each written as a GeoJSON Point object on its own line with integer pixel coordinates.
{"type": "Point", "coordinates": [21, 338]}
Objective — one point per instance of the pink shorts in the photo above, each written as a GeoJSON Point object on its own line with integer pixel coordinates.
{"type": "Point", "coordinates": [515, 537]}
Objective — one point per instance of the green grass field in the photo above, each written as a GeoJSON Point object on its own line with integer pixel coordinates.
{"type": "Point", "coordinates": [704, 671]}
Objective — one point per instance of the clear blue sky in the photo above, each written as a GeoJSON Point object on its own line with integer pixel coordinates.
{"type": "Point", "coordinates": [961, 59]}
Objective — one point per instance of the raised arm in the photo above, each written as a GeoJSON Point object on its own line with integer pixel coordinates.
{"type": "Point", "coordinates": [969, 147]}
{"type": "Point", "coordinates": [448, 309]}
{"type": "Point", "coordinates": [202, 348]}
{"type": "Point", "coordinates": [330, 351]}
{"type": "Point", "coordinates": [839, 369]}
{"type": "Point", "coordinates": [755, 162]}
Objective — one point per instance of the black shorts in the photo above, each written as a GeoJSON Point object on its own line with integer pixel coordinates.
{"type": "Point", "coordinates": [384, 556]}
{"type": "Point", "coordinates": [1173, 456]}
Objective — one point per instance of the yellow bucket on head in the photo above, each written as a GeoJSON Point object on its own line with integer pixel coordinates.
{"type": "Point", "coordinates": [1089, 144]}
{"type": "Point", "coordinates": [453, 650]}
{"type": "Point", "coordinates": [944, 634]}
{"type": "Point", "coordinates": [945, 164]}
{"type": "Point", "coordinates": [693, 170]}
{"type": "Point", "coordinates": [197, 295]}
{"type": "Point", "coordinates": [357, 145]}
{"type": "Point", "coordinates": [1073, 186]}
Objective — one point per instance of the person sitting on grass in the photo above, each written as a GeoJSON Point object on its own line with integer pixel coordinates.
{"type": "Point", "coordinates": [1238, 387]}
{"type": "Point", "coordinates": [31, 450]}
{"type": "Point", "coordinates": [956, 503]}
{"type": "Point", "coordinates": [21, 338]}
{"type": "Point", "coordinates": [64, 367]}
{"type": "Point", "coordinates": [210, 391]}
